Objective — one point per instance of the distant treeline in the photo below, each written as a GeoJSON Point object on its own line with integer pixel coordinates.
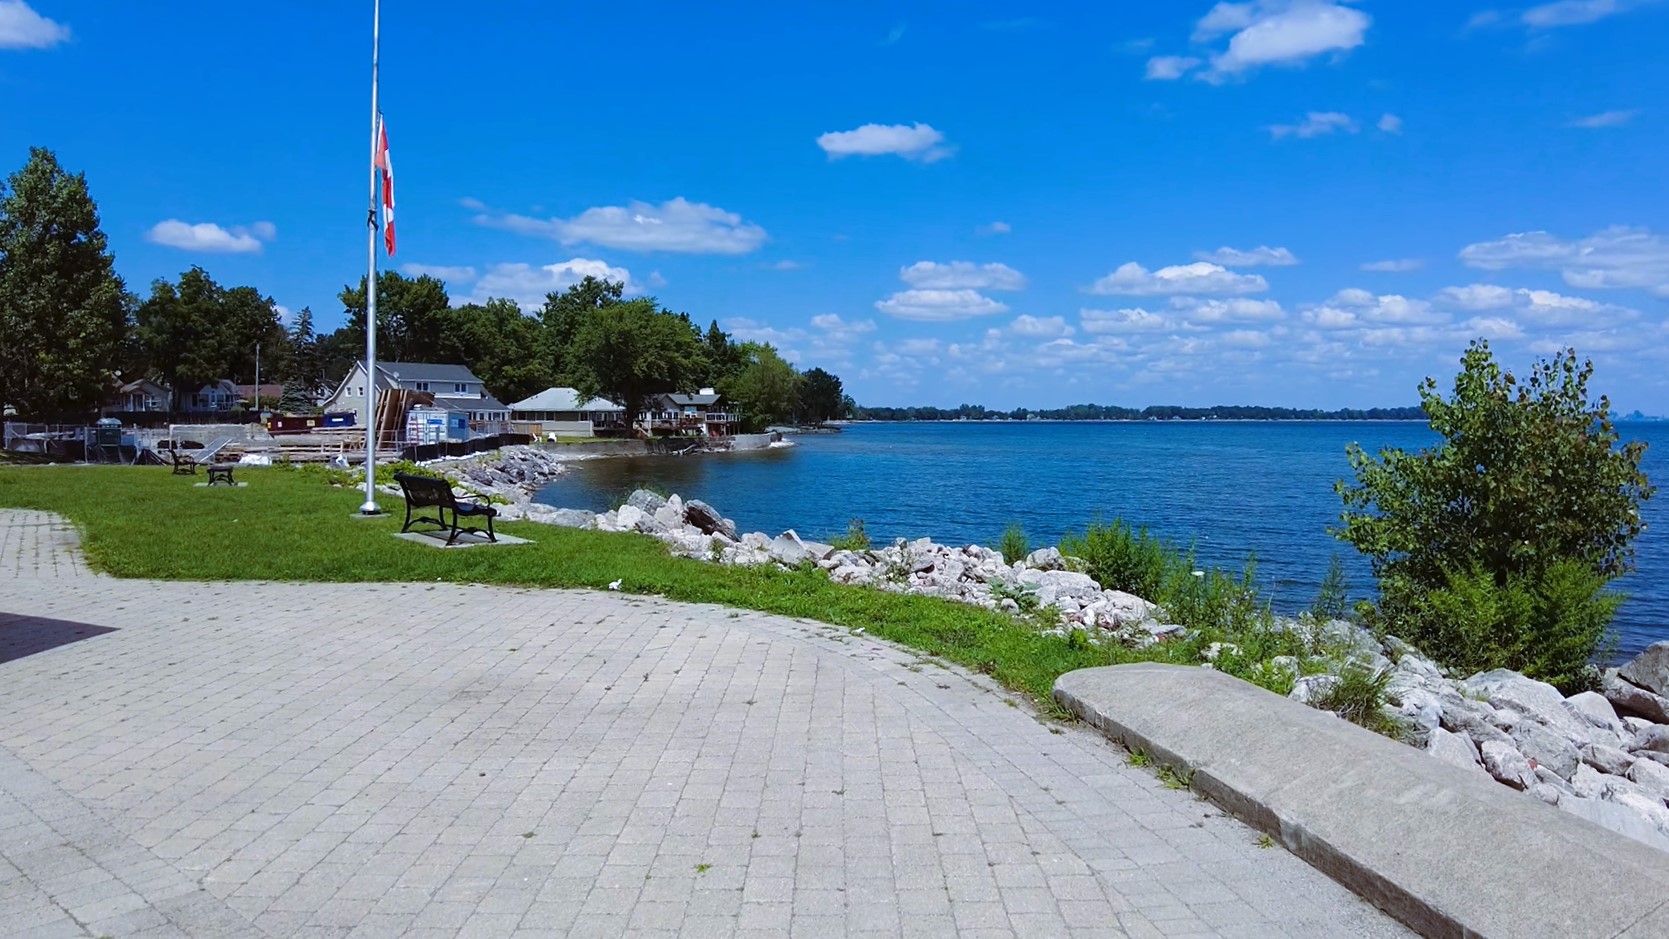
{"type": "Point", "coordinates": [1111, 412]}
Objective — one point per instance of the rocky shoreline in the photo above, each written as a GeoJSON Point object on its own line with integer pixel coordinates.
{"type": "Point", "coordinates": [1602, 755]}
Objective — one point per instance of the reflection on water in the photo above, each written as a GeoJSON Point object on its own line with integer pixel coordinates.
{"type": "Point", "coordinates": [1231, 489]}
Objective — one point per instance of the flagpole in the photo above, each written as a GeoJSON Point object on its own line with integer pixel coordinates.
{"type": "Point", "coordinates": [370, 507]}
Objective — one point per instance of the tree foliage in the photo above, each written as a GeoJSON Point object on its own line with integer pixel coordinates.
{"type": "Point", "coordinates": [1529, 488]}
{"type": "Point", "coordinates": [630, 350]}
{"type": "Point", "coordinates": [63, 311]}
{"type": "Point", "coordinates": [414, 319]}
{"type": "Point", "coordinates": [504, 348]}
{"type": "Point", "coordinates": [195, 332]}
{"type": "Point", "coordinates": [822, 399]}
{"type": "Point", "coordinates": [765, 388]}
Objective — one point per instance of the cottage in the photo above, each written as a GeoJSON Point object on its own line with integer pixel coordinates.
{"type": "Point", "coordinates": [214, 397]}
{"type": "Point", "coordinates": [563, 412]}
{"type": "Point", "coordinates": [704, 413]}
{"type": "Point", "coordinates": [138, 396]}
{"type": "Point", "coordinates": [453, 387]}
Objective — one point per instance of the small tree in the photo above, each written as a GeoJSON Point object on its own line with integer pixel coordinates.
{"type": "Point", "coordinates": [1529, 496]}
{"type": "Point", "coordinates": [765, 389]}
{"type": "Point", "coordinates": [821, 397]}
{"type": "Point", "coordinates": [63, 311]}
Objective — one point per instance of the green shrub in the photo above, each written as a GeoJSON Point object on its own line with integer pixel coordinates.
{"type": "Point", "coordinates": [1333, 599]}
{"type": "Point", "coordinates": [1014, 544]}
{"type": "Point", "coordinates": [1548, 624]}
{"type": "Point", "coordinates": [1359, 697]}
{"type": "Point", "coordinates": [855, 539]}
{"type": "Point", "coordinates": [1120, 558]}
{"type": "Point", "coordinates": [1493, 548]}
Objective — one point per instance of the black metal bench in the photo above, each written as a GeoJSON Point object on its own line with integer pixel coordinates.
{"type": "Point", "coordinates": [184, 463]}
{"type": "Point", "coordinates": [427, 492]}
{"type": "Point", "coordinates": [222, 472]}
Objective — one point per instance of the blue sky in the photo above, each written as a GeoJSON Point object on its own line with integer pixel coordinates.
{"type": "Point", "coordinates": [1285, 202]}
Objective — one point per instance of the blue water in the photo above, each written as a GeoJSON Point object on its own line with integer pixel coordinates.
{"type": "Point", "coordinates": [1231, 489]}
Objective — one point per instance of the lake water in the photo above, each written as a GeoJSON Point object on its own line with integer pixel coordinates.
{"type": "Point", "coordinates": [1229, 488]}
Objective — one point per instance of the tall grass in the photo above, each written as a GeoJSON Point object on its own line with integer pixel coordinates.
{"type": "Point", "coordinates": [1014, 544]}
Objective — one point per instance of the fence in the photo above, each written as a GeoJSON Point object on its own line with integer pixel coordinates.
{"type": "Point", "coordinates": [420, 453]}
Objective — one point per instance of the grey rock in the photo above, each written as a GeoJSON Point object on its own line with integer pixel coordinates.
{"type": "Point", "coordinates": [1592, 707]}
{"type": "Point", "coordinates": [1617, 818]}
{"type": "Point", "coordinates": [1546, 747]}
{"type": "Point", "coordinates": [1655, 737]}
{"type": "Point", "coordinates": [1046, 559]}
{"type": "Point", "coordinates": [671, 517]}
{"type": "Point", "coordinates": [1651, 776]}
{"type": "Point", "coordinates": [1474, 719]}
{"type": "Point", "coordinates": [628, 517]}
{"type": "Point", "coordinates": [1650, 669]}
{"type": "Point", "coordinates": [1589, 783]}
{"type": "Point", "coordinates": [1606, 759]}
{"type": "Point", "coordinates": [1311, 688]}
{"type": "Point", "coordinates": [1547, 777]}
{"type": "Point", "coordinates": [1507, 764]}
{"type": "Point", "coordinates": [817, 549]}
{"type": "Point", "coordinates": [1545, 793]}
{"type": "Point", "coordinates": [755, 540]}
{"type": "Point", "coordinates": [1540, 701]}
{"type": "Point", "coordinates": [1633, 699]}
{"type": "Point", "coordinates": [569, 518]}
{"type": "Point", "coordinates": [645, 501]}
{"type": "Point", "coordinates": [789, 549]}
{"type": "Point", "coordinates": [1453, 749]}
{"type": "Point", "coordinates": [708, 520]}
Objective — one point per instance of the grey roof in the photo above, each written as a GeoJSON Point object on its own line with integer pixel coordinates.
{"type": "Point", "coordinates": [692, 399]}
{"type": "Point", "coordinates": [426, 371]}
{"type": "Point", "coordinates": [563, 399]}
{"type": "Point", "coordinates": [483, 403]}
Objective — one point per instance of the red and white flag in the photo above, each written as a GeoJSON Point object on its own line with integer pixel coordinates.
{"type": "Point", "coordinates": [384, 164]}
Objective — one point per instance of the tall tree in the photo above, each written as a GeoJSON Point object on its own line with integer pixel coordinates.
{"type": "Point", "coordinates": [821, 397]}
{"type": "Point", "coordinates": [504, 347]}
{"type": "Point", "coordinates": [197, 331]}
{"type": "Point", "coordinates": [63, 311]}
{"type": "Point", "coordinates": [628, 351]}
{"type": "Point", "coordinates": [565, 312]}
{"type": "Point", "coordinates": [415, 321]}
{"type": "Point", "coordinates": [304, 379]}
{"type": "Point", "coordinates": [766, 389]}
{"type": "Point", "coordinates": [723, 355]}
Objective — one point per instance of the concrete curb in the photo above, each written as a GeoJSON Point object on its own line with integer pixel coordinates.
{"type": "Point", "coordinates": [1448, 852]}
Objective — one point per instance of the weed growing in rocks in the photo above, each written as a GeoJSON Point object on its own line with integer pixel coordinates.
{"type": "Point", "coordinates": [1359, 697]}
{"type": "Point", "coordinates": [1014, 544]}
{"type": "Point", "coordinates": [856, 538]}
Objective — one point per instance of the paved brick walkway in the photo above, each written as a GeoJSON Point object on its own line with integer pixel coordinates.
{"type": "Point", "coordinates": [413, 760]}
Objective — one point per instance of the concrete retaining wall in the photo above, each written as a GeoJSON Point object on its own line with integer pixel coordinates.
{"type": "Point", "coordinates": [1449, 852]}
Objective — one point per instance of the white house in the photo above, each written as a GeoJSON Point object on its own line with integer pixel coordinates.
{"type": "Point", "coordinates": [454, 387]}
{"type": "Point", "coordinates": [141, 395]}
{"type": "Point", "coordinates": [562, 411]}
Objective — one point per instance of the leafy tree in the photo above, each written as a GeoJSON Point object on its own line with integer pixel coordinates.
{"type": "Point", "coordinates": [628, 351]}
{"type": "Point", "coordinates": [565, 312]}
{"type": "Point", "coordinates": [821, 397]}
{"type": "Point", "coordinates": [197, 331]}
{"type": "Point", "coordinates": [1529, 495]}
{"type": "Point", "coordinates": [63, 311]}
{"type": "Point", "coordinates": [504, 348]}
{"type": "Point", "coordinates": [415, 321]}
{"type": "Point", "coordinates": [723, 355]}
{"type": "Point", "coordinates": [766, 389]}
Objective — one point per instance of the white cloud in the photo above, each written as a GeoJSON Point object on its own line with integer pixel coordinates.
{"type": "Point", "coordinates": [1279, 32]}
{"type": "Point", "coordinates": [1047, 327]}
{"type": "Point", "coordinates": [1604, 119]}
{"type": "Point", "coordinates": [456, 274]}
{"type": "Point", "coordinates": [955, 275]}
{"type": "Point", "coordinates": [1245, 339]}
{"type": "Point", "coordinates": [1165, 68]}
{"type": "Point", "coordinates": [1360, 306]}
{"type": "Point", "coordinates": [1617, 257]}
{"type": "Point", "coordinates": [677, 226]}
{"type": "Point", "coordinates": [1314, 124]}
{"type": "Point", "coordinates": [1394, 265]}
{"type": "Point", "coordinates": [1261, 255]}
{"type": "Point", "coordinates": [939, 306]}
{"type": "Point", "coordinates": [1233, 310]}
{"type": "Point", "coordinates": [1477, 297]}
{"type": "Point", "coordinates": [1493, 328]}
{"type": "Point", "coordinates": [1577, 12]}
{"type": "Point", "coordinates": [211, 238]}
{"type": "Point", "coordinates": [912, 142]}
{"type": "Point", "coordinates": [784, 265]}
{"type": "Point", "coordinates": [1136, 320]}
{"type": "Point", "coordinates": [22, 28]}
{"type": "Point", "coordinates": [840, 330]}
{"type": "Point", "coordinates": [995, 228]}
{"type": "Point", "coordinates": [1540, 307]}
{"type": "Point", "coordinates": [1201, 277]}
{"type": "Point", "coordinates": [1390, 124]}
{"type": "Point", "coordinates": [527, 285]}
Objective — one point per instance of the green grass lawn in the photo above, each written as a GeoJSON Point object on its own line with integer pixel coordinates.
{"type": "Point", "coordinates": [293, 526]}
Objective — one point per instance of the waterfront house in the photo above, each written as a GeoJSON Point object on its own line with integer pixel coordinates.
{"type": "Point", "coordinates": [451, 388]}
{"type": "Point", "coordinates": [704, 413]}
{"type": "Point", "coordinates": [142, 395]}
{"type": "Point", "coordinates": [212, 398]}
{"type": "Point", "coordinates": [561, 411]}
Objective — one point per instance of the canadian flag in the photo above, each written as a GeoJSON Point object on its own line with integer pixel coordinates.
{"type": "Point", "coordinates": [384, 164]}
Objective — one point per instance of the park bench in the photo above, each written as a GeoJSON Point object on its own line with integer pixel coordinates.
{"type": "Point", "coordinates": [427, 492]}
{"type": "Point", "coordinates": [222, 473]}
{"type": "Point", "coordinates": [184, 463]}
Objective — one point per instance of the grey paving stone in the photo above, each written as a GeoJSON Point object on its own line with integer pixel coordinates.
{"type": "Point", "coordinates": [365, 759]}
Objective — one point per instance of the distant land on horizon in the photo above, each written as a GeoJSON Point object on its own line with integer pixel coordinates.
{"type": "Point", "coordinates": [1157, 412]}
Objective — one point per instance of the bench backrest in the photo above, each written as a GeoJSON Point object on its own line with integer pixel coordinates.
{"type": "Point", "coordinates": [426, 490]}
